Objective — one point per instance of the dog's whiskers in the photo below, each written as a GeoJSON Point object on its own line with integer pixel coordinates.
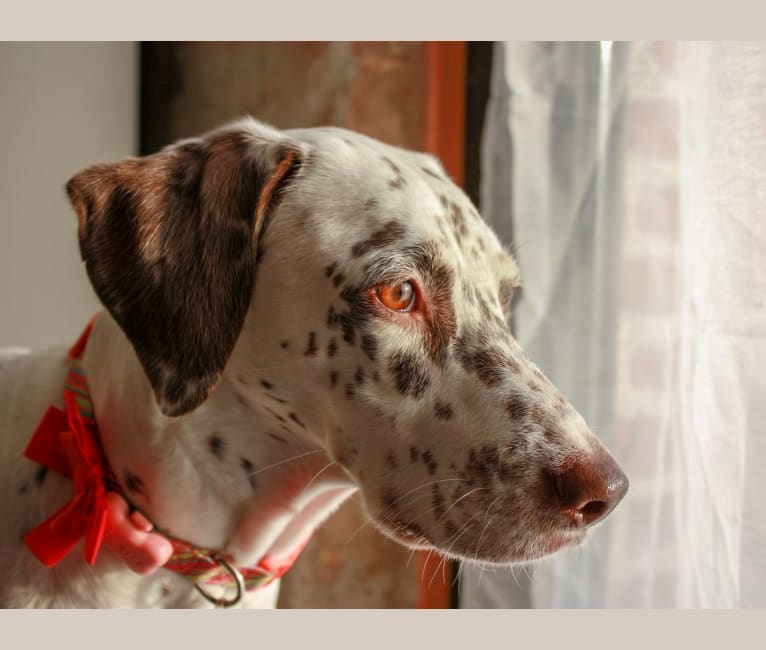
{"type": "Point", "coordinates": [287, 460]}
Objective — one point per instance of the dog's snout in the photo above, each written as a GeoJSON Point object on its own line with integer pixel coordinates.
{"type": "Point", "coordinates": [589, 487]}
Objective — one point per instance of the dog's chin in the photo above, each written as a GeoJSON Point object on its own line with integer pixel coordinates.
{"type": "Point", "coordinates": [544, 546]}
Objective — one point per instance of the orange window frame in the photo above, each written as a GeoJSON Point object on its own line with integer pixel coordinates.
{"type": "Point", "coordinates": [445, 138]}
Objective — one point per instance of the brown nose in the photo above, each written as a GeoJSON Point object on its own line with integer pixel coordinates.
{"type": "Point", "coordinates": [589, 488]}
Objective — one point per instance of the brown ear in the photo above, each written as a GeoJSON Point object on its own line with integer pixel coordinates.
{"type": "Point", "coordinates": [170, 244]}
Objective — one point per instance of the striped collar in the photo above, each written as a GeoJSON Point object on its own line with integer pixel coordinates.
{"type": "Point", "coordinates": [77, 453]}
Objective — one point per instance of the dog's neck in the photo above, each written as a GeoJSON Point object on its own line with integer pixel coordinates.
{"type": "Point", "coordinates": [225, 476]}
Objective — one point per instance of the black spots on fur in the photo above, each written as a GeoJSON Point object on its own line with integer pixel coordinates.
{"type": "Point", "coordinates": [437, 501]}
{"type": "Point", "coordinates": [432, 173]}
{"type": "Point", "coordinates": [516, 408]}
{"type": "Point", "coordinates": [267, 384]}
{"type": "Point", "coordinates": [389, 498]}
{"type": "Point", "coordinates": [359, 375]}
{"type": "Point", "coordinates": [311, 345]}
{"type": "Point", "coordinates": [216, 445]}
{"type": "Point", "coordinates": [338, 279]}
{"type": "Point", "coordinates": [278, 438]}
{"type": "Point", "coordinates": [274, 414]}
{"type": "Point", "coordinates": [398, 181]}
{"type": "Point", "coordinates": [414, 453]}
{"type": "Point", "coordinates": [389, 234]}
{"type": "Point", "coordinates": [430, 461]}
{"type": "Point", "coordinates": [358, 314]}
{"type": "Point", "coordinates": [458, 220]}
{"type": "Point", "coordinates": [249, 470]}
{"type": "Point", "coordinates": [332, 317]}
{"type": "Point", "coordinates": [489, 364]}
{"type": "Point", "coordinates": [350, 391]}
{"type": "Point", "coordinates": [284, 345]}
{"type": "Point", "coordinates": [332, 347]}
{"type": "Point", "coordinates": [440, 321]}
{"type": "Point", "coordinates": [329, 270]}
{"type": "Point", "coordinates": [410, 372]}
{"type": "Point", "coordinates": [370, 346]}
{"type": "Point", "coordinates": [333, 377]}
{"type": "Point", "coordinates": [40, 475]}
{"type": "Point", "coordinates": [133, 483]}
{"type": "Point", "coordinates": [297, 420]}
{"type": "Point", "coordinates": [443, 411]}
{"type": "Point", "coordinates": [391, 460]}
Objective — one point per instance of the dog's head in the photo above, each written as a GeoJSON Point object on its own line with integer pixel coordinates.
{"type": "Point", "coordinates": [360, 281]}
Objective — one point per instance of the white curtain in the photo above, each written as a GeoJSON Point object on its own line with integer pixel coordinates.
{"type": "Point", "coordinates": [630, 181]}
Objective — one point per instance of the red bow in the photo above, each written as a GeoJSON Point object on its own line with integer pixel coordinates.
{"type": "Point", "coordinates": [64, 442]}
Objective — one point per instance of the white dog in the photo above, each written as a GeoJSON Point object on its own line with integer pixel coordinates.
{"type": "Point", "coordinates": [290, 317]}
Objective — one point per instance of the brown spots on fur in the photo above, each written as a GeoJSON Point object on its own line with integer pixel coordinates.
{"type": "Point", "coordinates": [332, 347]}
{"type": "Point", "coordinates": [23, 488]}
{"type": "Point", "coordinates": [249, 470]}
{"type": "Point", "coordinates": [267, 384]}
{"type": "Point", "coordinates": [537, 414]}
{"type": "Point", "coordinates": [399, 181]}
{"type": "Point", "coordinates": [442, 411]}
{"type": "Point", "coordinates": [414, 453]}
{"type": "Point", "coordinates": [516, 408]}
{"type": "Point", "coordinates": [350, 391]}
{"type": "Point", "coordinates": [216, 445]}
{"type": "Point", "coordinates": [359, 375]}
{"type": "Point", "coordinates": [450, 529]}
{"type": "Point", "coordinates": [277, 437]}
{"type": "Point", "coordinates": [391, 460]}
{"type": "Point", "coordinates": [410, 374]}
{"type": "Point", "coordinates": [333, 377]}
{"type": "Point", "coordinates": [534, 386]}
{"type": "Point", "coordinates": [382, 238]}
{"type": "Point", "coordinates": [284, 345]}
{"type": "Point", "coordinates": [329, 270]}
{"type": "Point", "coordinates": [133, 483]}
{"type": "Point", "coordinates": [311, 345]}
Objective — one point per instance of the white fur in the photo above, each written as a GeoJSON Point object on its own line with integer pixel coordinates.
{"type": "Point", "coordinates": [345, 442]}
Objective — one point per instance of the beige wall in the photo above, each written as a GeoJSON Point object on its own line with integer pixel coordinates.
{"type": "Point", "coordinates": [62, 106]}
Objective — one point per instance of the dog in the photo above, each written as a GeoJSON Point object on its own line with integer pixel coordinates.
{"type": "Point", "coordinates": [290, 317]}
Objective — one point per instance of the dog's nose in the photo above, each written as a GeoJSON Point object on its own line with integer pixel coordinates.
{"type": "Point", "coordinates": [589, 487]}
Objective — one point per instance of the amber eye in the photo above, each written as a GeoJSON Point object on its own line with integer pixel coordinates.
{"type": "Point", "coordinates": [397, 297]}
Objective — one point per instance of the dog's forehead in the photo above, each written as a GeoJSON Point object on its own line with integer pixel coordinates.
{"type": "Point", "coordinates": [377, 188]}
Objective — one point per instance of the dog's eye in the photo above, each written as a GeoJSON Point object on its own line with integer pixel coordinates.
{"type": "Point", "coordinates": [397, 297]}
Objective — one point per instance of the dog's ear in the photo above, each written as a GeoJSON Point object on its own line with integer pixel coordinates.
{"type": "Point", "coordinates": [170, 243]}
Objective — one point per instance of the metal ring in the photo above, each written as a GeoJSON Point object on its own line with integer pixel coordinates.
{"type": "Point", "coordinates": [238, 579]}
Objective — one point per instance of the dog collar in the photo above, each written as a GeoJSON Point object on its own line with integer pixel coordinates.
{"type": "Point", "coordinates": [100, 513]}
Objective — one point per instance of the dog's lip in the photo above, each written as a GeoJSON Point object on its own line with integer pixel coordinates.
{"type": "Point", "coordinates": [560, 540]}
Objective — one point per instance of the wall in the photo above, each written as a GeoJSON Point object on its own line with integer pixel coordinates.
{"type": "Point", "coordinates": [63, 106]}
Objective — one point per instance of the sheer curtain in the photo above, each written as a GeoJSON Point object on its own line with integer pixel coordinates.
{"type": "Point", "coordinates": [630, 181]}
